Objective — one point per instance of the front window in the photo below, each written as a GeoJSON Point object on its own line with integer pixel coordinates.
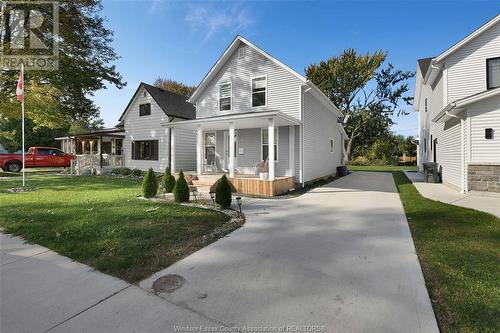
{"type": "Point", "coordinates": [145, 150]}
{"type": "Point", "coordinates": [259, 88]}
{"type": "Point", "coordinates": [493, 73]}
{"type": "Point", "coordinates": [225, 97]}
{"type": "Point", "coordinates": [209, 139]}
{"type": "Point", "coordinates": [265, 144]}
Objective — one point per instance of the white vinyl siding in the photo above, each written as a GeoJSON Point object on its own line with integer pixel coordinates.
{"type": "Point", "coordinates": [282, 86]}
{"type": "Point", "coordinates": [467, 66]}
{"type": "Point", "coordinates": [485, 115]}
{"type": "Point", "coordinates": [149, 128]}
{"type": "Point", "coordinates": [320, 125]}
{"type": "Point", "coordinates": [449, 153]}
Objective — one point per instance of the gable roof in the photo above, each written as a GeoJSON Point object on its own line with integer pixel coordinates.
{"type": "Point", "coordinates": [469, 37]}
{"type": "Point", "coordinates": [433, 67]}
{"type": "Point", "coordinates": [225, 57]}
{"type": "Point", "coordinates": [172, 104]}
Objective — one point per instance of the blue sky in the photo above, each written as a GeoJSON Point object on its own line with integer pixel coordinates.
{"type": "Point", "coordinates": [182, 39]}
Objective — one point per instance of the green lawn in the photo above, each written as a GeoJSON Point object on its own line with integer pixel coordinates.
{"type": "Point", "coordinates": [459, 251]}
{"type": "Point", "coordinates": [100, 221]}
{"type": "Point", "coordinates": [381, 168]}
{"type": "Point", "coordinates": [10, 174]}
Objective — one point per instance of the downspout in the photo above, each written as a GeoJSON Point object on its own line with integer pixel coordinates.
{"type": "Point", "coordinates": [302, 132]}
{"type": "Point", "coordinates": [170, 119]}
{"type": "Point", "coordinates": [462, 144]}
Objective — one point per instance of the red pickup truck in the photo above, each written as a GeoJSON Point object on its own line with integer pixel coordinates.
{"type": "Point", "coordinates": [36, 157]}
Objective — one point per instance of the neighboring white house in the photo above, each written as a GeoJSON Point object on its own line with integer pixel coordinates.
{"type": "Point", "coordinates": [249, 102]}
{"type": "Point", "coordinates": [139, 141]}
{"type": "Point", "coordinates": [457, 96]}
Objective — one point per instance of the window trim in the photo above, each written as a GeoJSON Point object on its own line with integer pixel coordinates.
{"type": "Point", "coordinates": [142, 159]}
{"type": "Point", "coordinates": [205, 144]}
{"type": "Point", "coordinates": [144, 115]}
{"type": "Point", "coordinates": [276, 157]}
{"type": "Point", "coordinates": [332, 145]}
{"type": "Point", "coordinates": [488, 75]}
{"type": "Point", "coordinates": [251, 91]}
{"type": "Point", "coordinates": [230, 96]}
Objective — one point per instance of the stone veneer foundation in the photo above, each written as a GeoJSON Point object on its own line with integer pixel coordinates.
{"type": "Point", "coordinates": [484, 177]}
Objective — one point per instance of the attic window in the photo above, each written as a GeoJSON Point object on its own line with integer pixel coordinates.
{"type": "Point", "coordinates": [425, 105]}
{"type": "Point", "coordinates": [241, 52]}
{"type": "Point", "coordinates": [144, 109]}
{"type": "Point", "coordinates": [145, 93]}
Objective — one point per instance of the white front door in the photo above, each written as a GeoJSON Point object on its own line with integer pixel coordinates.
{"type": "Point", "coordinates": [226, 149]}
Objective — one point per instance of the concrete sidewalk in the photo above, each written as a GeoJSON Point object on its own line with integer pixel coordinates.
{"type": "Point", "coordinates": [41, 291]}
{"type": "Point", "coordinates": [483, 201]}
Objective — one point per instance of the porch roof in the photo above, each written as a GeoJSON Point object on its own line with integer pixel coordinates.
{"type": "Point", "coordinates": [240, 120]}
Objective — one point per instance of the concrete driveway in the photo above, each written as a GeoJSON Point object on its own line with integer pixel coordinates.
{"type": "Point", "coordinates": [340, 258]}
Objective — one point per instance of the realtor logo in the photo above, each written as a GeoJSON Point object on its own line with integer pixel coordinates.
{"type": "Point", "coordinates": [29, 34]}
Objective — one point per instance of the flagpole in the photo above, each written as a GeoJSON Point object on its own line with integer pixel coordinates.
{"type": "Point", "coordinates": [22, 126]}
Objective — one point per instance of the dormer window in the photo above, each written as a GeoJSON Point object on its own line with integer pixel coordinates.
{"type": "Point", "coordinates": [493, 73]}
{"type": "Point", "coordinates": [259, 91]}
{"type": "Point", "coordinates": [144, 109]}
{"type": "Point", "coordinates": [225, 97]}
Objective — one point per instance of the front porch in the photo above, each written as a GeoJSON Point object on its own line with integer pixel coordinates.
{"type": "Point", "coordinates": [96, 152]}
{"type": "Point", "coordinates": [258, 151]}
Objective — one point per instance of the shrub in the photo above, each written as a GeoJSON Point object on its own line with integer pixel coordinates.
{"type": "Point", "coordinates": [223, 193]}
{"type": "Point", "coordinates": [121, 171]}
{"type": "Point", "coordinates": [149, 184]}
{"type": "Point", "coordinates": [360, 160]}
{"type": "Point", "coordinates": [181, 189]}
{"type": "Point", "coordinates": [168, 181]}
{"type": "Point", "coordinates": [136, 173]}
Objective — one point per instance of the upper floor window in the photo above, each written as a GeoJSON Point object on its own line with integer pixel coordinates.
{"type": "Point", "coordinates": [144, 109]}
{"type": "Point", "coordinates": [259, 91]}
{"type": "Point", "coordinates": [225, 97]}
{"type": "Point", "coordinates": [425, 105]}
{"type": "Point", "coordinates": [493, 73]}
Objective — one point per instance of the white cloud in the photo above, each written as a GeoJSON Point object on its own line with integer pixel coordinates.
{"type": "Point", "coordinates": [214, 19]}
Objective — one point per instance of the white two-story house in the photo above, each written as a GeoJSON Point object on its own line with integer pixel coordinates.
{"type": "Point", "coordinates": [262, 123]}
{"type": "Point", "coordinates": [457, 96]}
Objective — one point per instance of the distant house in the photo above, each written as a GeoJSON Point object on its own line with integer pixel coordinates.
{"type": "Point", "coordinates": [262, 123]}
{"type": "Point", "coordinates": [457, 96]}
{"type": "Point", "coordinates": [138, 140]}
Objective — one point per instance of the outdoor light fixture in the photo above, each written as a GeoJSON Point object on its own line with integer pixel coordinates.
{"type": "Point", "coordinates": [195, 193]}
{"type": "Point", "coordinates": [238, 200]}
{"type": "Point", "coordinates": [212, 196]}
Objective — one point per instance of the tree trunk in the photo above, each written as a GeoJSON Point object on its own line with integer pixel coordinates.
{"type": "Point", "coordinates": [349, 148]}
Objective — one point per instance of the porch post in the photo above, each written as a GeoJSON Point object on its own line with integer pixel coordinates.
{"type": "Point", "coordinates": [231, 150]}
{"type": "Point", "coordinates": [199, 150]}
{"type": "Point", "coordinates": [291, 147]}
{"type": "Point", "coordinates": [172, 149]}
{"type": "Point", "coordinates": [270, 141]}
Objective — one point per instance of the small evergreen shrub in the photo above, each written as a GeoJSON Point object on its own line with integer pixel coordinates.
{"type": "Point", "coordinates": [168, 181]}
{"type": "Point", "coordinates": [149, 184]}
{"type": "Point", "coordinates": [136, 173]}
{"type": "Point", "coordinates": [121, 171]}
{"type": "Point", "coordinates": [223, 193]}
{"type": "Point", "coordinates": [181, 189]}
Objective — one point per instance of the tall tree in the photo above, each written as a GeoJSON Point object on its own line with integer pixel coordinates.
{"type": "Point", "coordinates": [362, 90]}
{"type": "Point", "coordinates": [174, 86]}
{"type": "Point", "coordinates": [55, 99]}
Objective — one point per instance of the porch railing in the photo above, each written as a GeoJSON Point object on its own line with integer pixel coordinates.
{"type": "Point", "coordinates": [91, 162]}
